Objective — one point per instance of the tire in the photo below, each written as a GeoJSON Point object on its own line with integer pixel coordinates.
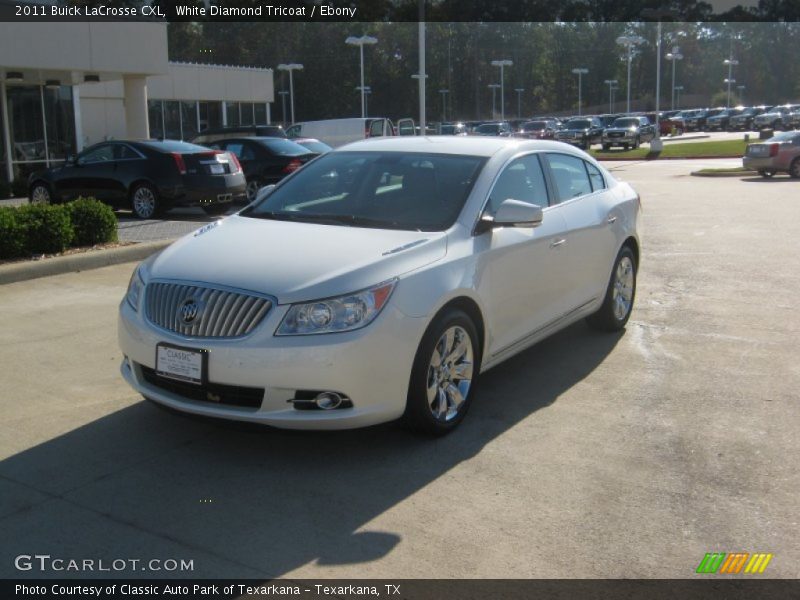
{"type": "Point", "coordinates": [794, 169]}
{"type": "Point", "coordinates": [438, 399]}
{"type": "Point", "coordinates": [144, 201]}
{"type": "Point", "coordinates": [767, 173]}
{"type": "Point", "coordinates": [252, 189]}
{"type": "Point", "coordinates": [636, 143]}
{"type": "Point", "coordinates": [606, 147]}
{"type": "Point", "coordinates": [40, 193]}
{"type": "Point", "coordinates": [621, 292]}
{"type": "Point", "coordinates": [215, 210]}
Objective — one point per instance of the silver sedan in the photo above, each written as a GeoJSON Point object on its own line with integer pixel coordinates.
{"type": "Point", "coordinates": [379, 281]}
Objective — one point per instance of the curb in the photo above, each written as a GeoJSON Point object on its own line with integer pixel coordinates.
{"type": "Point", "coordinates": [723, 174]}
{"type": "Point", "coordinates": [646, 157]}
{"type": "Point", "coordinates": [79, 262]}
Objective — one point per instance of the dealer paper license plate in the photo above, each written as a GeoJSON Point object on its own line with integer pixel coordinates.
{"type": "Point", "coordinates": [180, 363]}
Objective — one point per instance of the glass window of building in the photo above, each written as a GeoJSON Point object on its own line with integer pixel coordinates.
{"type": "Point", "coordinates": [26, 123]}
{"type": "Point", "coordinates": [246, 112]}
{"type": "Point", "coordinates": [232, 112]}
{"type": "Point", "coordinates": [59, 118]}
{"type": "Point", "coordinates": [172, 120]}
{"type": "Point", "coordinates": [189, 120]}
{"type": "Point", "coordinates": [156, 118]}
{"type": "Point", "coordinates": [210, 115]}
{"type": "Point", "coordinates": [260, 110]}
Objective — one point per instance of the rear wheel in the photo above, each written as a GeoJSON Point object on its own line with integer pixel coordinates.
{"type": "Point", "coordinates": [794, 169]}
{"type": "Point", "coordinates": [443, 376]}
{"type": "Point", "coordinates": [766, 173]}
{"type": "Point", "coordinates": [40, 193]}
{"type": "Point", "coordinates": [621, 291]}
{"type": "Point", "coordinates": [144, 201]}
{"type": "Point", "coordinates": [252, 189]}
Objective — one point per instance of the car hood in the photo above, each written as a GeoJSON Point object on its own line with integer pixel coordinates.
{"type": "Point", "coordinates": [295, 262]}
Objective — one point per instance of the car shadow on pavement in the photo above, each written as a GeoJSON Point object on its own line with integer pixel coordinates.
{"type": "Point", "coordinates": [775, 179]}
{"type": "Point", "coordinates": [246, 501]}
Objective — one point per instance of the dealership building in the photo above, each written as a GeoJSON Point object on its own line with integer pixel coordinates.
{"type": "Point", "coordinates": [67, 85]}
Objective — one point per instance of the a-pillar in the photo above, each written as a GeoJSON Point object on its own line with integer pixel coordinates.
{"type": "Point", "coordinates": [136, 125]}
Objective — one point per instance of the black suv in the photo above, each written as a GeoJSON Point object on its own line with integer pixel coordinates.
{"type": "Point", "coordinates": [581, 132]}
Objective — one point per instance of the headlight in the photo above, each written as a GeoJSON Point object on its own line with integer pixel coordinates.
{"type": "Point", "coordinates": [135, 287]}
{"type": "Point", "coordinates": [332, 315]}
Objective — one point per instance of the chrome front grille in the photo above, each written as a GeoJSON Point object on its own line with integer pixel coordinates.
{"type": "Point", "coordinates": [203, 311]}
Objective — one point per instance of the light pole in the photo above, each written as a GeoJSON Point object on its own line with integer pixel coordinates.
{"type": "Point", "coordinates": [502, 64]}
{"type": "Point", "coordinates": [731, 63]}
{"type": "Point", "coordinates": [444, 103]}
{"type": "Point", "coordinates": [678, 90]}
{"type": "Point", "coordinates": [283, 94]}
{"type": "Point", "coordinates": [580, 72]}
{"type": "Point", "coordinates": [741, 89]}
{"type": "Point", "coordinates": [612, 85]}
{"type": "Point", "coordinates": [291, 67]}
{"type": "Point", "coordinates": [364, 40]}
{"type": "Point", "coordinates": [629, 41]}
{"type": "Point", "coordinates": [367, 92]}
{"type": "Point", "coordinates": [493, 87]}
{"type": "Point", "coordinates": [519, 101]}
{"type": "Point", "coordinates": [674, 57]}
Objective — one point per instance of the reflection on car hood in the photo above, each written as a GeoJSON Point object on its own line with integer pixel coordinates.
{"type": "Point", "coordinates": [294, 261]}
{"type": "Point", "coordinates": [624, 129]}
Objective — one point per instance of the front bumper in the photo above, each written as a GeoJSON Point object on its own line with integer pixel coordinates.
{"type": "Point", "coordinates": [371, 366]}
{"type": "Point", "coordinates": [619, 141]}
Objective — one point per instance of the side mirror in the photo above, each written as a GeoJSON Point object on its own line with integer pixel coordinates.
{"type": "Point", "coordinates": [263, 193]}
{"type": "Point", "coordinates": [512, 213]}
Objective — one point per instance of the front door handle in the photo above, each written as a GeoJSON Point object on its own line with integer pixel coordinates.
{"type": "Point", "coordinates": [612, 219]}
{"type": "Point", "coordinates": [557, 243]}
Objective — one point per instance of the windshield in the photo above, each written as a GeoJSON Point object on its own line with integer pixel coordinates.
{"type": "Point", "coordinates": [579, 124]}
{"type": "Point", "coordinates": [786, 136]}
{"type": "Point", "coordinates": [626, 123]}
{"type": "Point", "coordinates": [282, 146]}
{"type": "Point", "coordinates": [315, 146]}
{"type": "Point", "coordinates": [534, 126]}
{"type": "Point", "coordinates": [381, 190]}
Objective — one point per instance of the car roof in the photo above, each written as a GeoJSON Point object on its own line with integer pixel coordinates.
{"type": "Point", "coordinates": [469, 145]}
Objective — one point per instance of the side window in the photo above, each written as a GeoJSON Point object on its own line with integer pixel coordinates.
{"type": "Point", "coordinates": [376, 128]}
{"type": "Point", "coordinates": [521, 180]}
{"type": "Point", "coordinates": [99, 154]}
{"type": "Point", "coordinates": [596, 177]}
{"type": "Point", "coordinates": [293, 131]}
{"type": "Point", "coordinates": [239, 149]}
{"type": "Point", "coordinates": [570, 176]}
{"type": "Point", "coordinates": [124, 152]}
{"type": "Point", "coordinates": [248, 153]}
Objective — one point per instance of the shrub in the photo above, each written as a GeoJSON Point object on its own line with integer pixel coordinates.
{"type": "Point", "coordinates": [92, 221]}
{"type": "Point", "coordinates": [19, 189]}
{"type": "Point", "coordinates": [12, 234]}
{"type": "Point", "coordinates": [47, 228]}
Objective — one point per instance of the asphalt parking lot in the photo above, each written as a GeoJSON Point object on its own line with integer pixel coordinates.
{"type": "Point", "coordinates": [589, 455]}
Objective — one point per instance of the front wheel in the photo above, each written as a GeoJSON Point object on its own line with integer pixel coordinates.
{"type": "Point", "coordinates": [40, 194]}
{"type": "Point", "coordinates": [621, 291]}
{"type": "Point", "coordinates": [144, 201]}
{"type": "Point", "coordinates": [443, 375]}
{"type": "Point", "coordinates": [794, 169]}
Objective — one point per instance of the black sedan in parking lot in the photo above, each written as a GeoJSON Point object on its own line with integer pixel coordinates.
{"type": "Point", "coordinates": [266, 160]}
{"type": "Point", "coordinates": [147, 176]}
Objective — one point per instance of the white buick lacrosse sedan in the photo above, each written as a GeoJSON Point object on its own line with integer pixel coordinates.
{"type": "Point", "coordinates": [379, 281]}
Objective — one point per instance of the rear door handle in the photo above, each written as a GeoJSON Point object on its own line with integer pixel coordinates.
{"type": "Point", "coordinates": [557, 243]}
{"type": "Point", "coordinates": [611, 219]}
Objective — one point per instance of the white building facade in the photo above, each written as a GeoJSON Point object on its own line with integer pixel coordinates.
{"type": "Point", "coordinates": [64, 86]}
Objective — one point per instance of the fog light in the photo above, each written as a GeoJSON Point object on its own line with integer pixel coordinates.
{"type": "Point", "coordinates": [328, 400]}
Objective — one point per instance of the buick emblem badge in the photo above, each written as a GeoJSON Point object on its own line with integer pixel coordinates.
{"type": "Point", "coordinates": [189, 311]}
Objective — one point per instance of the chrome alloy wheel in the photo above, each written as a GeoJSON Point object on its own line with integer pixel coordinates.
{"type": "Point", "coordinates": [40, 195]}
{"type": "Point", "coordinates": [450, 373]}
{"type": "Point", "coordinates": [623, 288]}
{"type": "Point", "coordinates": [144, 202]}
{"type": "Point", "coordinates": [252, 190]}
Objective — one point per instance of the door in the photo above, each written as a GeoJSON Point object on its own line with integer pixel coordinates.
{"type": "Point", "coordinates": [590, 247]}
{"type": "Point", "coordinates": [405, 127]}
{"type": "Point", "coordinates": [91, 174]}
{"type": "Point", "coordinates": [520, 269]}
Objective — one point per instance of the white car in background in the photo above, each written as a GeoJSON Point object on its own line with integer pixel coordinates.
{"type": "Point", "coordinates": [379, 281]}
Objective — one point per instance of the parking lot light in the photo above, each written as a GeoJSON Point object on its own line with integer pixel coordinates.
{"type": "Point", "coordinates": [731, 63]}
{"type": "Point", "coordinates": [629, 42]}
{"type": "Point", "coordinates": [502, 64]}
{"type": "Point", "coordinates": [674, 57]}
{"type": "Point", "coordinates": [580, 72]}
{"type": "Point", "coordinates": [361, 41]}
{"type": "Point", "coordinates": [291, 67]}
{"type": "Point", "coordinates": [493, 87]}
{"type": "Point", "coordinates": [612, 85]}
